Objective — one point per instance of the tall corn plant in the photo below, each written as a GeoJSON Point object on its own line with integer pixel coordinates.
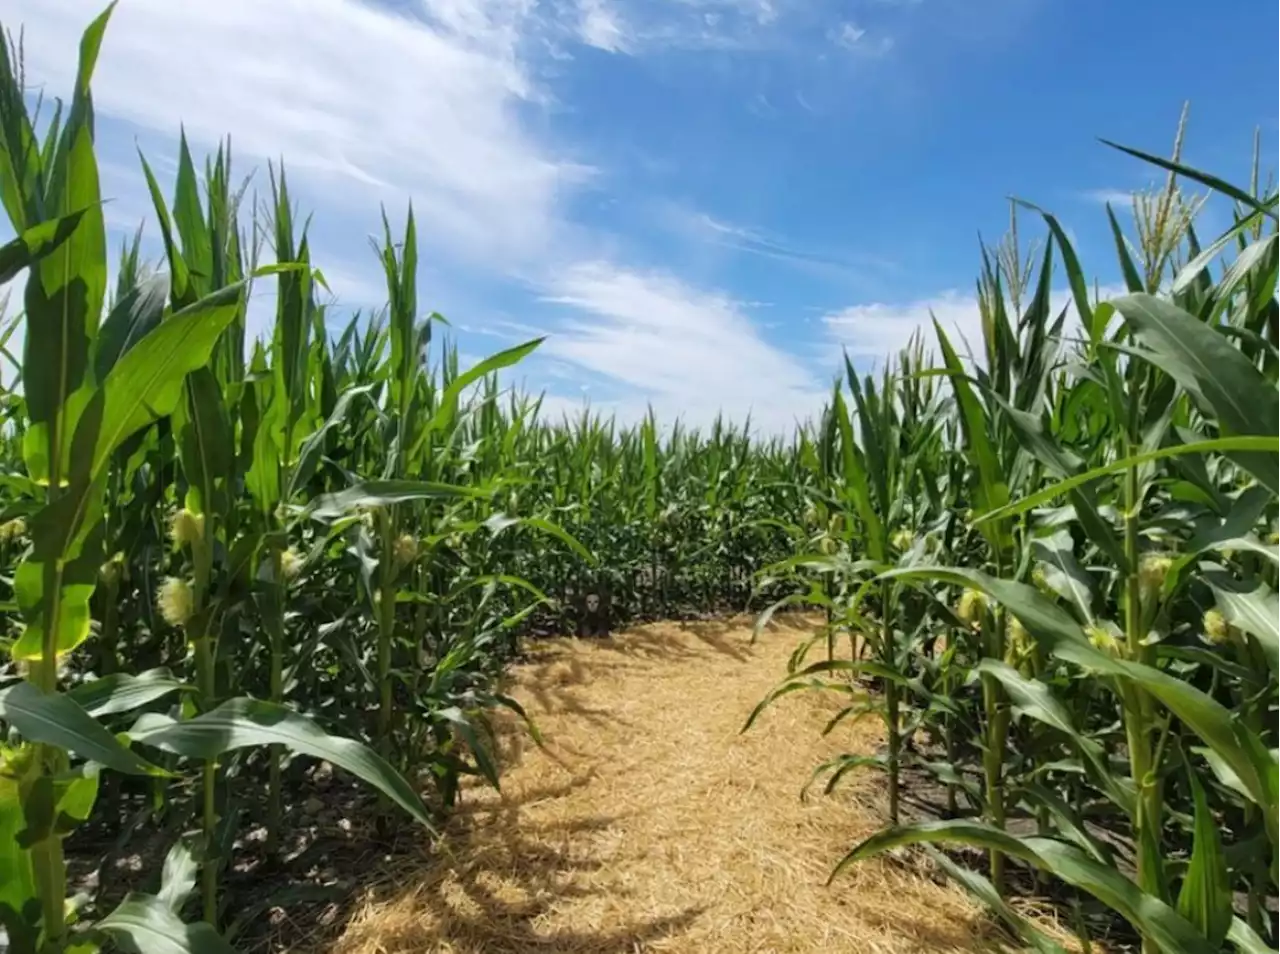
{"type": "Point", "coordinates": [1160, 444]}
{"type": "Point", "coordinates": [90, 384]}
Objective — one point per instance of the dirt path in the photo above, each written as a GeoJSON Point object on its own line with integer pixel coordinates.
{"type": "Point", "coordinates": [648, 823]}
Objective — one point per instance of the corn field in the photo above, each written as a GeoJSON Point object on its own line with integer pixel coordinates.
{"type": "Point", "coordinates": [222, 555]}
{"type": "Point", "coordinates": [1048, 565]}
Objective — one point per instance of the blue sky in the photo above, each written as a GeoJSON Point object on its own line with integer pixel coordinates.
{"type": "Point", "coordinates": [701, 202]}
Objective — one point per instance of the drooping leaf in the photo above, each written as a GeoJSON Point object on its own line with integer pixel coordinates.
{"type": "Point", "coordinates": [145, 924]}
{"type": "Point", "coordinates": [381, 493]}
{"type": "Point", "coordinates": [1156, 920]}
{"type": "Point", "coordinates": [34, 244]}
{"type": "Point", "coordinates": [121, 692]}
{"type": "Point", "coordinates": [55, 719]}
{"type": "Point", "coordinates": [241, 723]}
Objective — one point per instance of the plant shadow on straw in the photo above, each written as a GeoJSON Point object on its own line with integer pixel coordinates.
{"type": "Point", "coordinates": [557, 673]}
{"type": "Point", "coordinates": [490, 886]}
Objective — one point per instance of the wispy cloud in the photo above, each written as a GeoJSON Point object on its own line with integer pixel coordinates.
{"type": "Point", "coordinates": [600, 25]}
{"type": "Point", "coordinates": [366, 105]}
{"type": "Point", "coordinates": [689, 351]}
{"type": "Point", "coordinates": [1119, 199]}
{"type": "Point", "coordinates": [847, 35]}
{"type": "Point", "coordinates": [829, 263]}
{"type": "Point", "coordinates": [854, 38]}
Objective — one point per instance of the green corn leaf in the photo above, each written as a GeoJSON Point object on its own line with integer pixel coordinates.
{"type": "Point", "coordinates": [559, 533]}
{"type": "Point", "coordinates": [1132, 277]}
{"type": "Point", "coordinates": [1034, 437]}
{"type": "Point", "coordinates": [1075, 274]}
{"type": "Point", "coordinates": [65, 291]}
{"type": "Point", "coordinates": [1035, 700]}
{"type": "Point", "coordinates": [1064, 575]}
{"type": "Point", "coordinates": [1155, 919]}
{"type": "Point", "coordinates": [1205, 898]}
{"type": "Point", "coordinates": [1237, 746]}
{"type": "Point", "coordinates": [992, 493]}
{"type": "Point", "coordinates": [1045, 620]}
{"type": "Point", "coordinates": [839, 766]}
{"type": "Point", "coordinates": [35, 243]}
{"type": "Point", "coordinates": [1191, 272]}
{"type": "Point", "coordinates": [804, 679]}
{"type": "Point", "coordinates": [1221, 380]}
{"type": "Point", "coordinates": [241, 723]}
{"type": "Point", "coordinates": [448, 405]}
{"type": "Point", "coordinates": [18, 887]}
{"type": "Point", "coordinates": [205, 438]}
{"type": "Point", "coordinates": [178, 877]}
{"type": "Point", "coordinates": [188, 217]}
{"type": "Point", "coordinates": [146, 383]}
{"type": "Point", "coordinates": [381, 493]}
{"type": "Point", "coordinates": [1255, 611]}
{"type": "Point", "coordinates": [1067, 821]}
{"type": "Point", "coordinates": [1058, 632]}
{"type": "Point", "coordinates": [179, 274]}
{"type": "Point", "coordinates": [133, 317]}
{"type": "Point", "coordinates": [1266, 207]}
{"type": "Point", "coordinates": [856, 484]}
{"type": "Point", "coordinates": [464, 726]}
{"type": "Point", "coordinates": [1246, 939]}
{"type": "Point", "coordinates": [313, 446]}
{"type": "Point", "coordinates": [1098, 529]}
{"type": "Point", "coordinates": [1267, 445]}
{"type": "Point", "coordinates": [55, 719]}
{"type": "Point", "coordinates": [145, 924]}
{"type": "Point", "coordinates": [982, 889]}
{"type": "Point", "coordinates": [121, 692]}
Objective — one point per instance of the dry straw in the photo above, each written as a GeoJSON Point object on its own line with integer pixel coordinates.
{"type": "Point", "coordinates": [649, 823]}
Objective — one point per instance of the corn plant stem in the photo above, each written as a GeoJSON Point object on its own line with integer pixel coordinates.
{"type": "Point", "coordinates": [386, 626]}
{"type": "Point", "coordinates": [1255, 906]}
{"type": "Point", "coordinates": [831, 632]}
{"type": "Point", "coordinates": [1135, 706]}
{"type": "Point", "coordinates": [890, 698]}
{"type": "Point", "coordinates": [991, 764]}
{"type": "Point", "coordinates": [198, 632]}
{"type": "Point", "coordinates": [108, 662]}
{"type": "Point", "coordinates": [208, 797]}
{"type": "Point", "coordinates": [997, 718]}
{"type": "Point", "coordinates": [949, 739]}
{"type": "Point", "coordinates": [276, 689]}
{"type": "Point", "coordinates": [47, 860]}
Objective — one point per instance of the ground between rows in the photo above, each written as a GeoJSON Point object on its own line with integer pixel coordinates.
{"type": "Point", "coordinates": [649, 822]}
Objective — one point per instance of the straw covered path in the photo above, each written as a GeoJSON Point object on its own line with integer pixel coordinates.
{"type": "Point", "coordinates": [649, 823]}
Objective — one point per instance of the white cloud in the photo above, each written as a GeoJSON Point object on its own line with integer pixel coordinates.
{"type": "Point", "coordinates": [878, 330]}
{"type": "Point", "coordinates": [366, 105]}
{"type": "Point", "coordinates": [848, 35]}
{"type": "Point", "coordinates": [851, 36]}
{"type": "Point", "coordinates": [1121, 201]}
{"type": "Point", "coordinates": [688, 351]}
{"type": "Point", "coordinates": [600, 25]}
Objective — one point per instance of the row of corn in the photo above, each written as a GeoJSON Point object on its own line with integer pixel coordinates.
{"type": "Point", "coordinates": [1048, 563]}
